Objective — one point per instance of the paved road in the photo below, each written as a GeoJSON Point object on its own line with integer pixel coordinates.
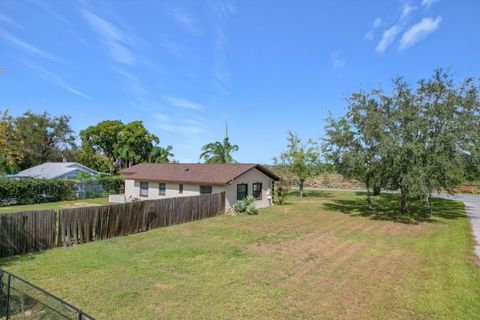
{"type": "Point", "coordinates": [472, 206]}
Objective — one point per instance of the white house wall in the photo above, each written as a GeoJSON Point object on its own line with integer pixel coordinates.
{"type": "Point", "coordinates": [132, 189]}
{"type": "Point", "coordinates": [250, 177]}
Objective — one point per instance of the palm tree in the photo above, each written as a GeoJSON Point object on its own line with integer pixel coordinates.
{"type": "Point", "coordinates": [160, 155]}
{"type": "Point", "coordinates": [218, 152]}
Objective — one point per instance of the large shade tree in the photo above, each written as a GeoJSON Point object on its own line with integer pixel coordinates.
{"type": "Point", "coordinates": [129, 143]}
{"type": "Point", "coordinates": [45, 138]}
{"type": "Point", "coordinates": [413, 140]}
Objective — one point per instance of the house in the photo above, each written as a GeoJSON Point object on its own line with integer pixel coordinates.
{"type": "Point", "coordinates": [166, 180]}
{"type": "Point", "coordinates": [55, 170]}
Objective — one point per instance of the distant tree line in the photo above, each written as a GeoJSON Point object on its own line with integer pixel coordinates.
{"type": "Point", "coordinates": [31, 139]}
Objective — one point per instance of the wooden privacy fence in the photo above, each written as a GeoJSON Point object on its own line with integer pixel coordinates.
{"type": "Point", "coordinates": [27, 231]}
{"type": "Point", "coordinates": [80, 225]}
{"type": "Point", "coordinates": [40, 230]}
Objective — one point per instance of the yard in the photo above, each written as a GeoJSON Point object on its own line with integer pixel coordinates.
{"type": "Point", "coordinates": [55, 205]}
{"type": "Point", "coordinates": [324, 256]}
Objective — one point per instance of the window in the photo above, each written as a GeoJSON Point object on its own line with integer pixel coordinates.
{"type": "Point", "coordinates": [161, 189]}
{"type": "Point", "coordinates": [143, 189]}
{"type": "Point", "coordinates": [242, 191]}
{"type": "Point", "coordinates": [205, 189]}
{"type": "Point", "coordinates": [257, 190]}
{"type": "Point", "coordinates": [180, 188]}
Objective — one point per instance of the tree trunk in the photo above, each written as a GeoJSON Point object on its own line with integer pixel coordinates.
{"type": "Point", "coordinates": [430, 204]}
{"type": "Point", "coordinates": [301, 188]}
{"type": "Point", "coordinates": [404, 201]}
{"type": "Point", "coordinates": [369, 199]}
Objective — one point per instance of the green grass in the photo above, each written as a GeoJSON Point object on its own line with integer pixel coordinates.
{"type": "Point", "coordinates": [54, 205]}
{"type": "Point", "coordinates": [324, 256]}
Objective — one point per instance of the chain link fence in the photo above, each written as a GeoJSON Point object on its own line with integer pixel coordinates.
{"type": "Point", "coordinates": [21, 300]}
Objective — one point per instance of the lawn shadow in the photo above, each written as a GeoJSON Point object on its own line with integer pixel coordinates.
{"type": "Point", "coordinates": [5, 262]}
{"type": "Point", "coordinates": [312, 194]}
{"type": "Point", "coordinates": [386, 207]}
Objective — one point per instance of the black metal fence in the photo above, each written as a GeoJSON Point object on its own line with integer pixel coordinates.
{"type": "Point", "coordinates": [21, 300]}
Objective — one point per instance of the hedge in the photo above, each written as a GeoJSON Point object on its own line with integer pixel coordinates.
{"type": "Point", "coordinates": [112, 184]}
{"type": "Point", "coordinates": [30, 190]}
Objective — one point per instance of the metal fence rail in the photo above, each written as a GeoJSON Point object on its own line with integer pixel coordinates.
{"type": "Point", "coordinates": [22, 300]}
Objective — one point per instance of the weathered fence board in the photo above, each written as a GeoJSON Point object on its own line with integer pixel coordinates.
{"type": "Point", "coordinates": [32, 231]}
{"type": "Point", "coordinates": [25, 232]}
{"type": "Point", "coordinates": [81, 225]}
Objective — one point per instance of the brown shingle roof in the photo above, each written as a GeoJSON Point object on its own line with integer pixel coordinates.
{"type": "Point", "coordinates": [201, 173]}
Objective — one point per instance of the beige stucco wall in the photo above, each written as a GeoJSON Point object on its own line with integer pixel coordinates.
{"type": "Point", "coordinates": [132, 189]}
{"type": "Point", "coordinates": [252, 176]}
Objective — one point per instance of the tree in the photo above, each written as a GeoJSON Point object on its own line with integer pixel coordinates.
{"type": "Point", "coordinates": [44, 137]}
{"type": "Point", "coordinates": [281, 190]}
{"type": "Point", "coordinates": [103, 138]}
{"type": "Point", "coordinates": [301, 160]}
{"type": "Point", "coordinates": [160, 155]}
{"type": "Point", "coordinates": [354, 142]}
{"type": "Point", "coordinates": [218, 152]}
{"type": "Point", "coordinates": [93, 159]}
{"type": "Point", "coordinates": [135, 143]}
{"type": "Point", "coordinates": [10, 145]}
{"type": "Point", "coordinates": [413, 140]}
{"type": "Point", "coordinates": [131, 143]}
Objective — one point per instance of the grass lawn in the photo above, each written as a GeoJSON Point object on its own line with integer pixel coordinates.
{"type": "Point", "coordinates": [54, 205]}
{"type": "Point", "coordinates": [324, 256]}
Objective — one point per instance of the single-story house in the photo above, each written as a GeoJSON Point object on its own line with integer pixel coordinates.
{"type": "Point", "coordinates": [166, 180]}
{"type": "Point", "coordinates": [55, 170]}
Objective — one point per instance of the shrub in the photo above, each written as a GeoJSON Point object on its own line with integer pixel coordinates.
{"type": "Point", "coordinates": [112, 184]}
{"type": "Point", "coordinates": [282, 190]}
{"type": "Point", "coordinates": [247, 205]}
{"type": "Point", "coordinates": [30, 190]}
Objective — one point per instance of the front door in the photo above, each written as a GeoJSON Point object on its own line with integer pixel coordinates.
{"type": "Point", "coordinates": [242, 191]}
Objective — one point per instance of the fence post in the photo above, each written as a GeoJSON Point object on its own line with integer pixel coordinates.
{"type": "Point", "coordinates": [8, 296]}
{"type": "Point", "coordinates": [79, 316]}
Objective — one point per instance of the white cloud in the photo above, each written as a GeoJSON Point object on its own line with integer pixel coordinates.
{"type": "Point", "coordinates": [55, 79]}
{"type": "Point", "coordinates": [185, 19]}
{"type": "Point", "coordinates": [118, 43]}
{"type": "Point", "coordinates": [183, 103]}
{"type": "Point", "coordinates": [337, 60]}
{"type": "Point", "coordinates": [378, 22]}
{"type": "Point", "coordinates": [428, 3]}
{"type": "Point", "coordinates": [26, 47]}
{"type": "Point", "coordinates": [419, 31]}
{"type": "Point", "coordinates": [407, 9]}
{"type": "Point", "coordinates": [181, 125]}
{"type": "Point", "coordinates": [388, 37]}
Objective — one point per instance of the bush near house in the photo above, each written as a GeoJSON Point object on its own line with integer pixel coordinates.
{"type": "Point", "coordinates": [112, 184]}
{"type": "Point", "coordinates": [246, 205]}
{"type": "Point", "coordinates": [30, 190]}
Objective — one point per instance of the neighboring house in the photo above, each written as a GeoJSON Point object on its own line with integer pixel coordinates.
{"type": "Point", "coordinates": [55, 170]}
{"type": "Point", "coordinates": [166, 180]}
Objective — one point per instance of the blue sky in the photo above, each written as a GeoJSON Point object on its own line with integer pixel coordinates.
{"type": "Point", "coordinates": [186, 67]}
